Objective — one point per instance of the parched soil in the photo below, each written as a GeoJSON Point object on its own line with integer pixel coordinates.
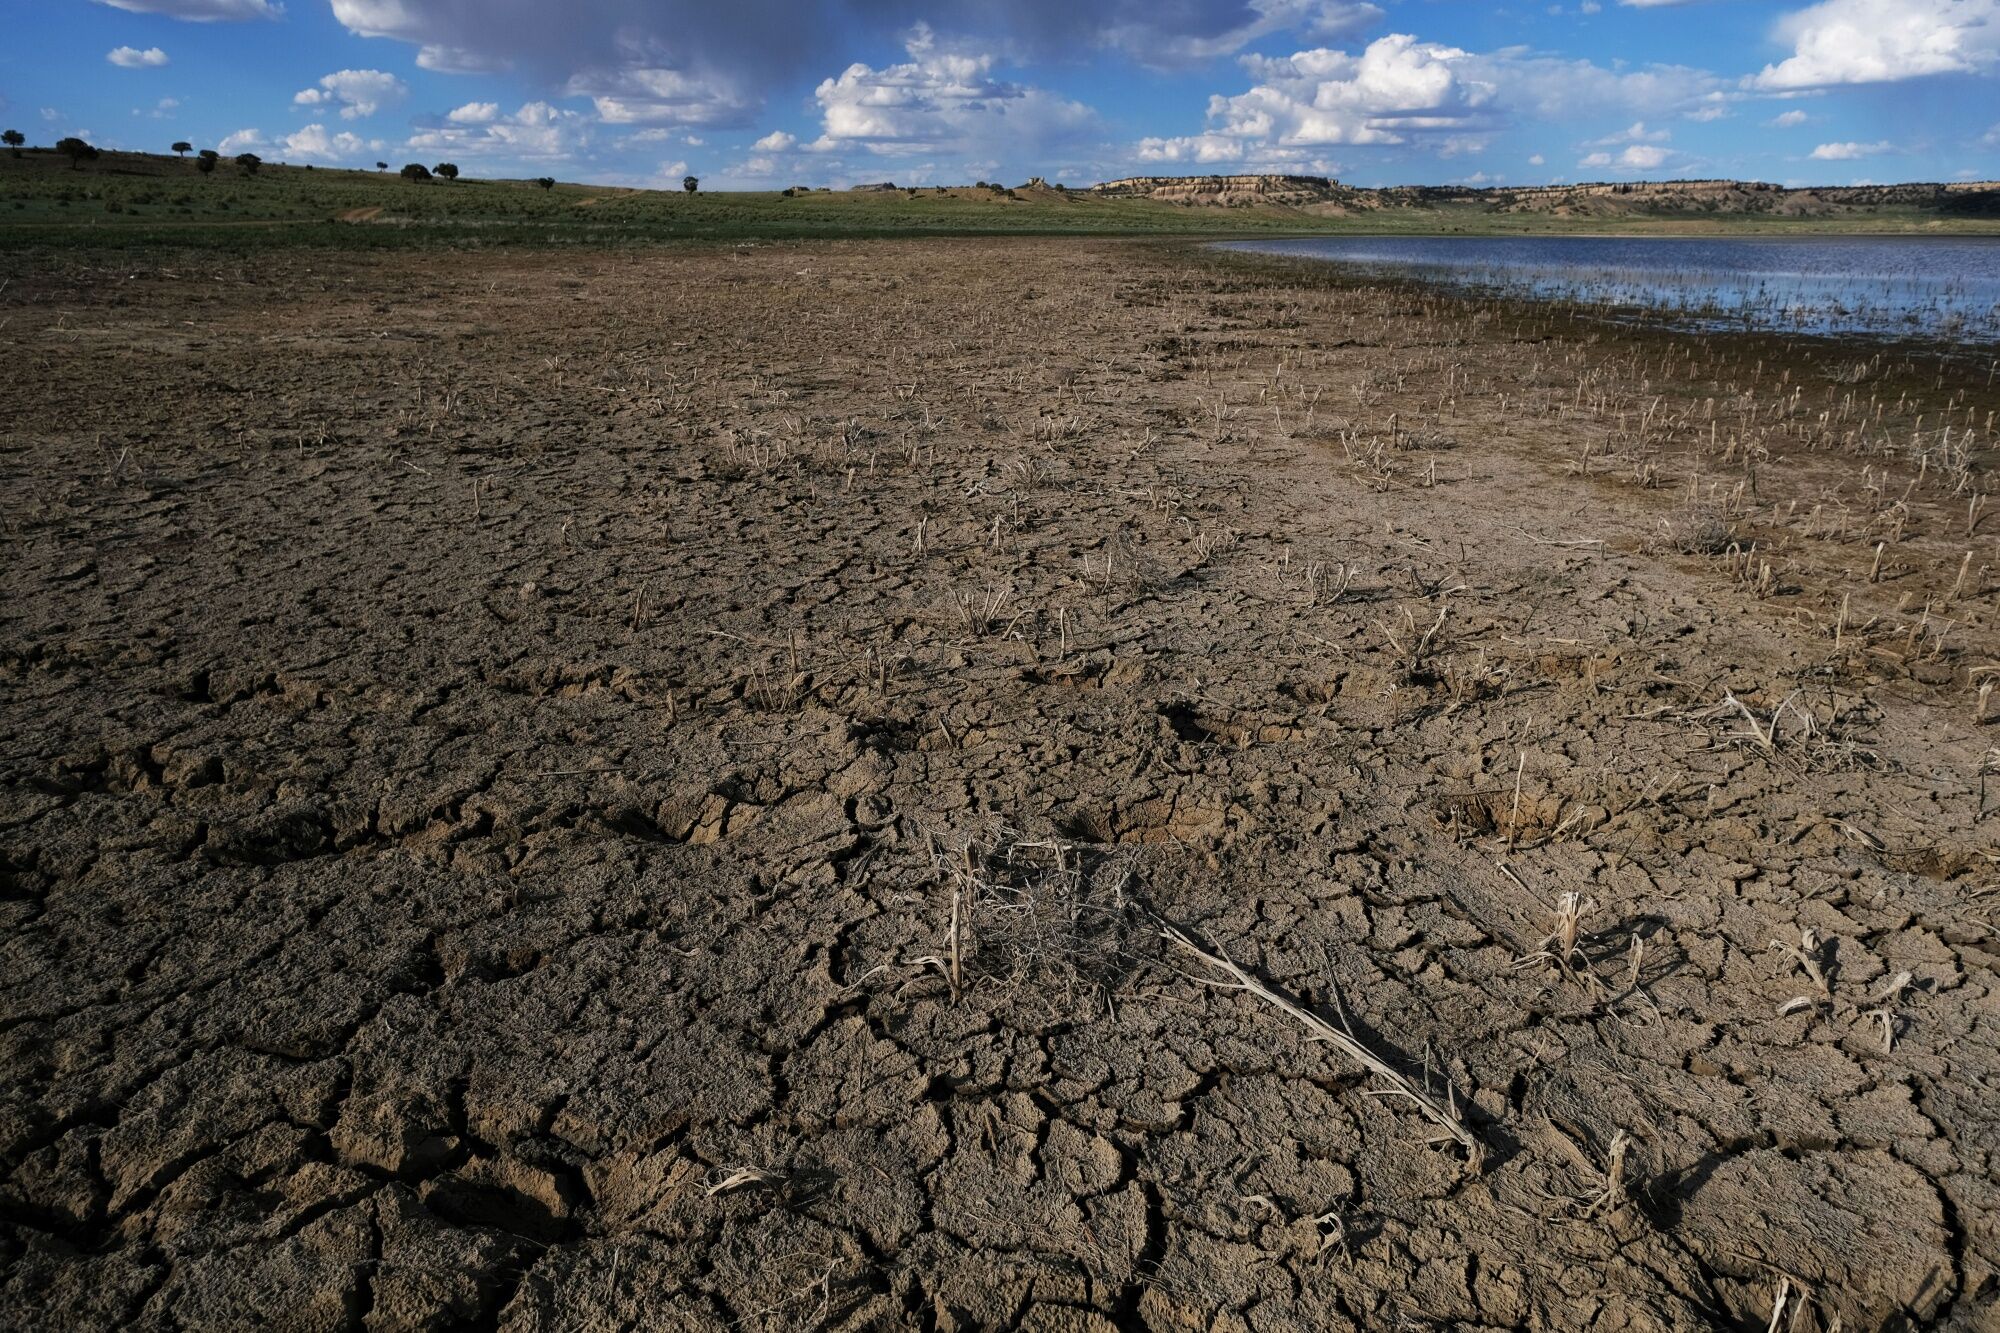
{"type": "Point", "coordinates": [582, 791]}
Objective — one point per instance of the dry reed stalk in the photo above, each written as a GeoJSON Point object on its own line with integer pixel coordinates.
{"type": "Point", "coordinates": [1514, 815]}
{"type": "Point", "coordinates": [1609, 1199]}
{"type": "Point", "coordinates": [1806, 954]}
{"type": "Point", "coordinates": [1561, 945]}
{"type": "Point", "coordinates": [1444, 1114]}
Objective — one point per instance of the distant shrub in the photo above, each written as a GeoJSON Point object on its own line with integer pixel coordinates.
{"type": "Point", "coordinates": [182, 148]}
{"type": "Point", "coordinates": [13, 139]}
{"type": "Point", "coordinates": [448, 170]}
{"type": "Point", "coordinates": [248, 163]}
{"type": "Point", "coordinates": [416, 171]}
{"type": "Point", "coordinates": [690, 183]}
{"type": "Point", "coordinates": [546, 182]}
{"type": "Point", "coordinates": [1698, 529]}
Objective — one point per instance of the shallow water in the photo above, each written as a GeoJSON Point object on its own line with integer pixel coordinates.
{"type": "Point", "coordinates": [1939, 288]}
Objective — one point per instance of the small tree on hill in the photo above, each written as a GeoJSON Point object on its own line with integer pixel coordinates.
{"type": "Point", "coordinates": [690, 184]}
{"type": "Point", "coordinates": [77, 151]}
{"type": "Point", "coordinates": [546, 182]}
{"type": "Point", "coordinates": [14, 139]}
{"type": "Point", "coordinates": [205, 161]}
{"type": "Point", "coordinates": [448, 170]}
{"type": "Point", "coordinates": [381, 166]}
{"type": "Point", "coordinates": [182, 148]}
{"type": "Point", "coordinates": [249, 162]}
{"type": "Point", "coordinates": [416, 171]}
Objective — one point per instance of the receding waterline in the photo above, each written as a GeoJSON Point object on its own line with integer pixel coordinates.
{"type": "Point", "coordinates": [1945, 289]}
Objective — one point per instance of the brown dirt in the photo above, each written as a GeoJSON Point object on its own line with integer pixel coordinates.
{"type": "Point", "coordinates": [495, 743]}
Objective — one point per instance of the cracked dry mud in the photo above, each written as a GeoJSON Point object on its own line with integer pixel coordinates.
{"type": "Point", "coordinates": [496, 744]}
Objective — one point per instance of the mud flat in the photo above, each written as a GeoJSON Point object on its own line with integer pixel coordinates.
{"type": "Point", "coordinates": [724, 788]}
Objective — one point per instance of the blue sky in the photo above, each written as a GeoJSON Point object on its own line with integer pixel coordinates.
{"type": "Point", "coordinates": [764, 93]}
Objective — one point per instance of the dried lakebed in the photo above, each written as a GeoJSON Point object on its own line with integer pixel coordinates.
{"type": "Point", "coordinates": [650, 790]}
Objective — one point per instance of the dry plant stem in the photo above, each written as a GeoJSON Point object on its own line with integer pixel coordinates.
{"type": "Point", "coordinates": [1559, 946]}
{"type": "Point", "coordinates": [1804, 953]}
{"type": "Point", "coordinates": [957, 962]}
{"type": "Point", "coordinates": [1514, 816]}
{"type": "Point", "coordinates": [1443, 1114]}
{"type": "Point", "coordinates": [1779, 1304]}
{"type": "Point", "coordinates": [742, 1176]}
{"type": "Point", "coordinates": [1612, 1195]}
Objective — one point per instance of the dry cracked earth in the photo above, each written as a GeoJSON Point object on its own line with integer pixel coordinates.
{"type": "Point", "coordinates": [646, 790]}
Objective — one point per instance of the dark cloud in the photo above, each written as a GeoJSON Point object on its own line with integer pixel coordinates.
{"type": "Point", "coordinates": [698, 61]}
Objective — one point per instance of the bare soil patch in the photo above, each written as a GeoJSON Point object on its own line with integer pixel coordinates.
{"type": "Point", "coordinates": [587, 791]}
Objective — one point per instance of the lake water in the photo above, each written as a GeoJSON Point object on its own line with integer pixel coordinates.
{"type": "Point", "coordinates": [1936, 288]}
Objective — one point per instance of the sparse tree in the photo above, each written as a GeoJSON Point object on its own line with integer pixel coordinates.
{"type": "Point", "coordinates": [205, 161]}
{"type": "Point", "coordinates": [249, 162]}
{"type": "Point", "coordinates": [77, 151]}
{"type": "Point", "coordinates": [448, 170]}
{"type": "Point", "coordinates": [415, 172]}
{"type": "Point", "coordinates": [690, 184]}
{"type": "Point", "coordinates": [13, 139]}
{"type": "Point", "coordinates": [182, 148]}
{"type": "Point", "coordinates": [546, 182]}
{"type": "Point", "coordinates": [381, 166]}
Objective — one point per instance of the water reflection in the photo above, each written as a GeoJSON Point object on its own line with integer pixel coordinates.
{"type": "Point", "coordinates": [1939, 288]}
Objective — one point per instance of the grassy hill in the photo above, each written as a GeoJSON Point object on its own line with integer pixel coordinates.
{"type": "Point", "coordinates": [147, 199]}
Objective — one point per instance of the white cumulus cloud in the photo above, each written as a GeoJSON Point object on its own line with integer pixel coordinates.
{"type": "Point", "coordinates": [1197, 148]}
{"type": "Point", "coordinates": [1848, 152]}
{"type": "Point", "coordinates": [474, 113]}
{"type": "Point", "coordinates": [1635, 157]}
{"type": "Point", "coordinates": [315, 142]}
{"type": "Point", "coordinates": [357, 92]}
{"type": "Point", "coordinates": [1397, 86]}
{"type": "Point", "coordinates": [940, 99]}
{"type": "Point", "coordinates": [1400, 90]}
{"type": "Point", "coordinates": [1635, 133]}
{"type": "Point", "coordinates": [131, 57]}
{"type": "Point", "coordinates": [1882, 41]}
{"type": "Point", "coordinates": [537, 132]}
